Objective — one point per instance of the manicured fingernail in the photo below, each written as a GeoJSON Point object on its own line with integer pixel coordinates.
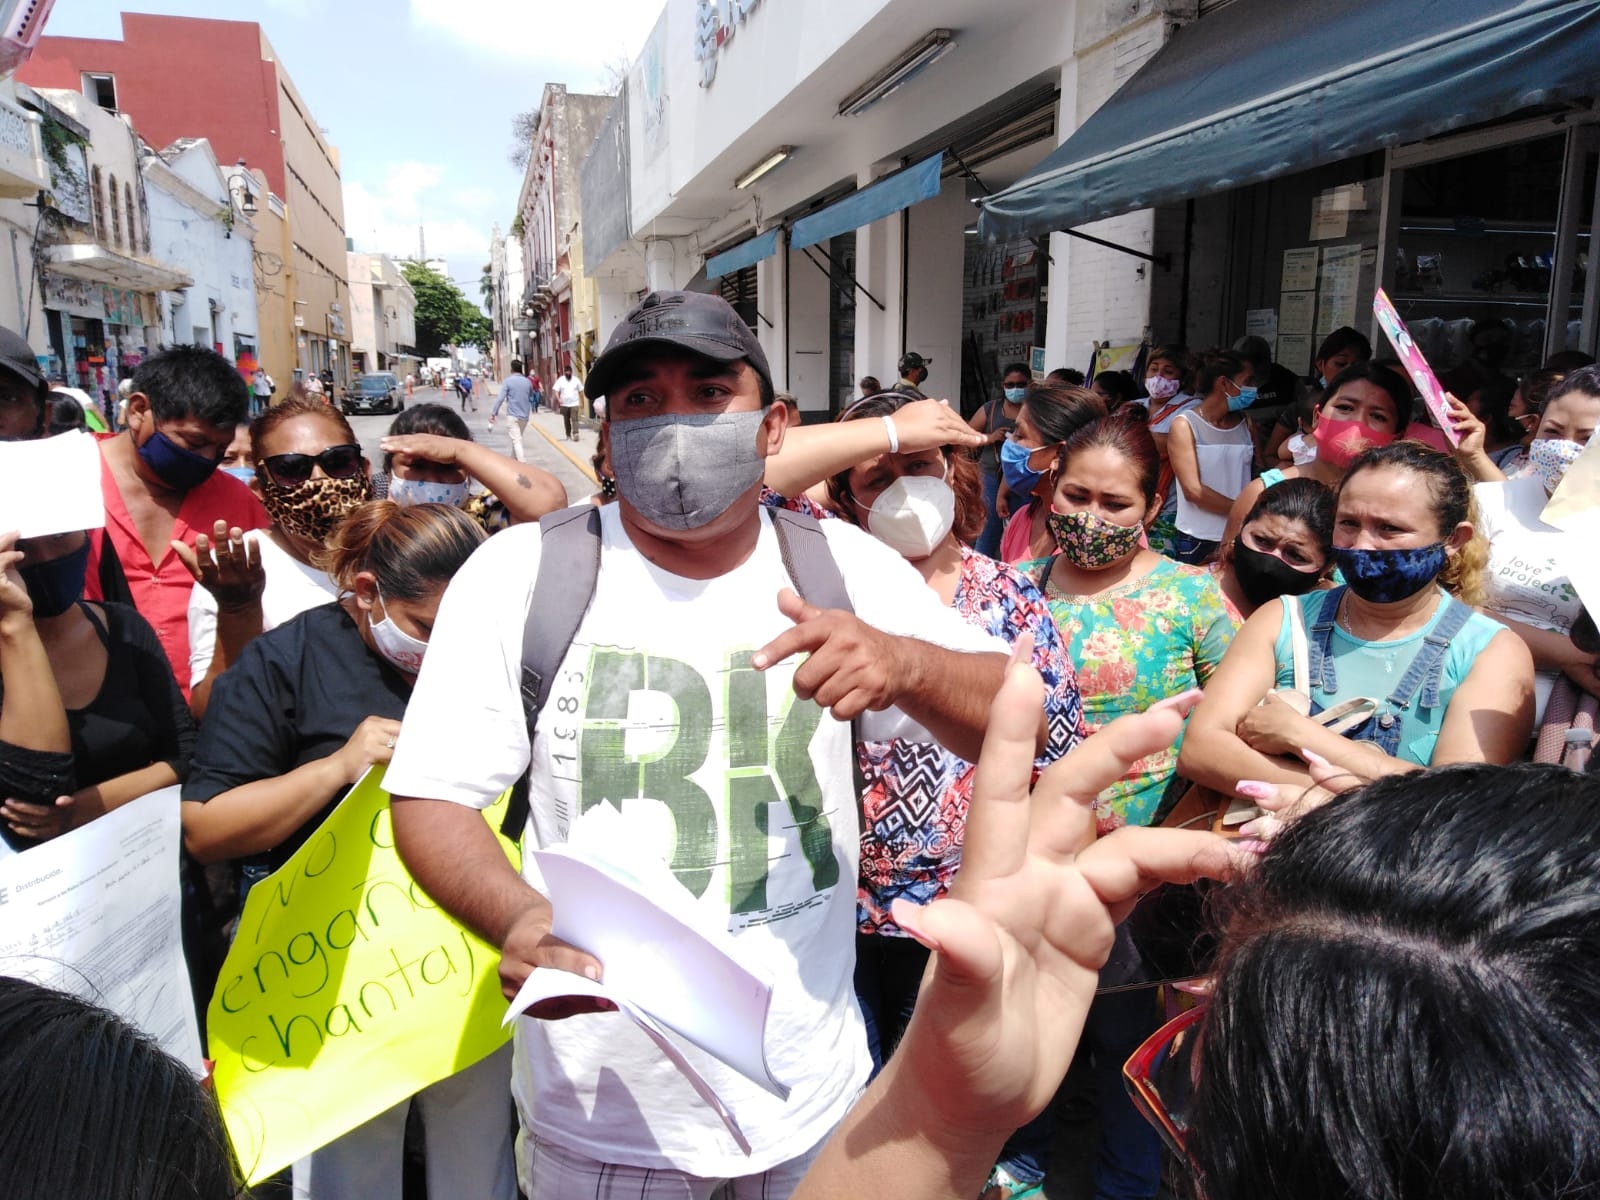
{"type": "Point", "coordinates": [758, 661]}
{"type": "Point", "coordinates": [1255, 789]}
{"type": "Point", "coordinates": [1315, 759]}
{"type": "Point", "coordinates": [909, 917]}
{"type": "Point", "coordinates": [1251, 845]}
{"type": "Point", "coordinates": [1182, 702]}
{"type": "Point", "coordinates": [591, 973]}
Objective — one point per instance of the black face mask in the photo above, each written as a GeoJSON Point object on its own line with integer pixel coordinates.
{"type": "Point", "coordinates": [1264, 577]}
{"type": "Point", "coordinates": [57, 585]}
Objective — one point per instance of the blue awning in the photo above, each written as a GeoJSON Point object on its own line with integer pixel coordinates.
{"type": "Point", "coordinates": [1266, 87]}
{"type": "Point", "coordinates": [745, 254]}
{"type": "Point", "coordinates": [872, 203]}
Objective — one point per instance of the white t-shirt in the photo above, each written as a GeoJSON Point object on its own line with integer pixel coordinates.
{"type": "Point", "coordinates": [1523, 581]}
{"type": "Point", "coordinates": [568, 391]}
{"type": "Point", "coordinates": [292, 588]}
{"type": "Point", "coordinates": [770, 843]}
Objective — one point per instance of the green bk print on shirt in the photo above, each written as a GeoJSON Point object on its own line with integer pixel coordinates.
{"type": "Point", "coordinates": [768, 761]}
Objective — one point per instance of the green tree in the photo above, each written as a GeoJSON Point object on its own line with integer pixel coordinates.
{"type": "Point", "coordinates": [442, 311]}
{"type": "Point", "coordinates": [475, 329]}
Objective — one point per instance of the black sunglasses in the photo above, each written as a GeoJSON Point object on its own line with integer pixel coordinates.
{"type": "Point", "coordinates": [337, 462]}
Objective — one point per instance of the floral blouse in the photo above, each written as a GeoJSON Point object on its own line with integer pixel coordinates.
{"type": "Point", "coordinates": [916, 794]}
{"type": "Point", "coordinates": [1133, 646]}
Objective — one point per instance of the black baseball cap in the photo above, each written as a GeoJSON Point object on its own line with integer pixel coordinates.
{"type": "Point", "coordinates": [911, 361]}
{"type": "Point", "coordinates": [694, 321]}
{"type": "Point", "coordinates": [17, 357]}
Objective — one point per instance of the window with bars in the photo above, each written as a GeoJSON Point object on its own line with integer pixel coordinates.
{"type": "Point", "coordinates": [738, 288]}
{"type": "Point", "coordinates": [98, 203]}
{"type": "Point", "coordinates": [133, 224]}
{"type": "Point", "coordinates": [116, 215]}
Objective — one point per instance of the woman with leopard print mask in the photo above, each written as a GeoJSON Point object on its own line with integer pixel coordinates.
{"type": "Point", "coordinates": [310, 473]}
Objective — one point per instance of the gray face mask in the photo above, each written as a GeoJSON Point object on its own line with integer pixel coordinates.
{"type": "Point", "coordinates": [683, 472]}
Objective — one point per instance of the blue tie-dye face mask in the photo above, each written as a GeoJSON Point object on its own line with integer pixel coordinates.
{"type": "Point", "coordinates": [1387, 576]}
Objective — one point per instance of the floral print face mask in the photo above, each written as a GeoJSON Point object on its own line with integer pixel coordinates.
{"type": "Point", "coordinates": [1090, 541]}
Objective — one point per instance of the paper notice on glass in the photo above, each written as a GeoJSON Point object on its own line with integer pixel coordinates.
{"type": "Point", "coordinates": [64, 468]}
{"type": "Point", "coordinates": [95, 912]}
{"type": "Point", "coordinates": [1294, 352]}
{"type": "Point", "coordinates": [1336, 295]}
{"type": "Point", "coordinates": [1296, 311]}
{"type": "Point", "coordinates": [1300, 269]}
{"type": "Point", "coordinates": [1261, 323]}
{"type": "Point", "coordinates": [666, 966]}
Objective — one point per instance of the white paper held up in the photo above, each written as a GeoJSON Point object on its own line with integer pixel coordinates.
{"type": "Point", "coordinates": [95, 912]}
{"type": "Point", "coordinates": [51, 485]}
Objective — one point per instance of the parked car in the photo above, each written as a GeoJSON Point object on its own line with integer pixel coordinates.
{"type": "Point", "coordinates": [379, 392]}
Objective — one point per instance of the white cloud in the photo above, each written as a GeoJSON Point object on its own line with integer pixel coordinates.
{"type": "Point", "coordinates": [294, 8]}
{"type": "Point", "coordinates": [382, 215]}
{"type": "Point", "coordinates": [586, 34]}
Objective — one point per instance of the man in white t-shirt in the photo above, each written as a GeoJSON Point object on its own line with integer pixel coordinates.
{"type": "Point", "coordinates": [569, 394]}
{"type": "Point", "coordinates": [683, 702]}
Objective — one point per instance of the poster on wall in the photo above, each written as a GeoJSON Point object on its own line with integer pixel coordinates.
{"type": "Point", "coordinates": [1336, 297]}
{"type": "Point", "coordinates": [1262, 323]}
{"type": "Point", "coordinates": [1300, 269]}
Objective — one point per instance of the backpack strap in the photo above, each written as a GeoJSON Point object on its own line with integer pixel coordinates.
{"type": "Point", "coordinates": [808, 560]}
{"type": "Point", "coordinates": [569, 565]}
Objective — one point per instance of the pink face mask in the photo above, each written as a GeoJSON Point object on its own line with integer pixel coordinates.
{"type": "Point", "coordinates": [1340, 443]}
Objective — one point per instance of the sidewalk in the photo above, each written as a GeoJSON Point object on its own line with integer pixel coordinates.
{"type": "Point", "coordinates": [553, 429]}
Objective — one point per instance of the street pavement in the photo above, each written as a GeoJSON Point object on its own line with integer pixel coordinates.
{"type": "Point", "coordinates": [544, 441]}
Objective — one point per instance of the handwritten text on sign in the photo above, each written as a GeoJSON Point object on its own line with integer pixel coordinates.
{"type": "Point", "coordinates": [345, 991]}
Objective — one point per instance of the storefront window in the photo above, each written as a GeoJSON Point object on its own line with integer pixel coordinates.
{"type": "Point", "coordinates": [1478, 250]}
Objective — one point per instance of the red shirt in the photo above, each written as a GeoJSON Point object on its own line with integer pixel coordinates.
{"type": "Point", "coordinates": [161, 589]}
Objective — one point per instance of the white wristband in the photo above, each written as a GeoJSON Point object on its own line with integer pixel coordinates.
{"type": "Point", "coordinates": [894, 438]}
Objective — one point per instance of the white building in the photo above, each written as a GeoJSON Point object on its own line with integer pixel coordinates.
{"type": "Point", "coordinates": [383, 316]}
{"type": "Point", "coordinates": [823, 164]}
{"type": "Point", "coordinates": [25, 172]}
{"type": "Point", "coordinates": [101, 280]}
{"type": "Point", "coordinates": [196, 226]}
{"type": "Point", "coordinates": [506, 307]}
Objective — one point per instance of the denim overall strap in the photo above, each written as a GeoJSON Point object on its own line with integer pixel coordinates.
{"type": "Point", "coordinates": [1319, 645]}
{"type": "Point", "coordinates": [1428, 666]}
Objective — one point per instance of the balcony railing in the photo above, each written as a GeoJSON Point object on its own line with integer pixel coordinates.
{"type": "Point", "coordinates": [23, 170]}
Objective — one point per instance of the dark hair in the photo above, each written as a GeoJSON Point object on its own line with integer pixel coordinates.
{"type": "Point", "coordinates": [1017, 368]}
{"type": "Point", "coordinates": [1120, 385]}
{"type": "Point", "coordinates": [1342, 339]}
{"type": "Point", "coordinates": [1584, 379]}
{"type": "Point", "coordinates": [1380, 377]}
{"type": "Point", "coordinates": [1450, 493]}
{"type": "Point", "coordinates": [1494, 392]}
{"type": "Point", "coordinates": [1174, 353]}
{"type": "Point", "coordinates": [516, 366]}
{"type": "Point", "coordinates": [790, 401]}
{"type": "Point", "coordinates": [193, 381]}
{"type": "Point", "coordinates": [93, 1107]}
{"type": "Point", "coordinates": [1058, 411]}
{"type": "Point", "coordinates": [412, 549]}
{"type": "Point", "coordinates": [438, 419]}
{"type": "Point", "coordinates": [296, 406]}
{"type": "Point", "coordinates": [962, 476]}
{"type": "Point", "coordinates": [1216, 365]}
{"type": "Point", "coordinates": [66, 414]}
{"type": "Point", "coordinates": [870, 384]}
{"type": "Point", "coordinates": [1405, 998]}
{"type": "Point", "coordinates": [1568, 360]}
{"type": "Point", "coordinates": [1308, 501]}
{"type": "Point", "coordinates": [1124, 435]}
{"type": "Point", "coordinates": [1066, 375]}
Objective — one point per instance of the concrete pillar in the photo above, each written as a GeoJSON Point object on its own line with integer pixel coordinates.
{"type": "Point", "coordinates": [934, 286]}
{"type": "Point", "coordinates": [808, 366]}
{"type": "Point", "coordinates": [880, 267]}
{"type": "Point", "coordinates": [772, 327]}
{"type": "Point", "coordinates": [659, 258]}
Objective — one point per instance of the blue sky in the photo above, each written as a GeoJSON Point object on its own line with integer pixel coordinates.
{"type": "Point", "coordinates": [418, 96]}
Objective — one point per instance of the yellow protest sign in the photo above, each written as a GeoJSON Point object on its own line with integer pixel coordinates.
{"type": "Point", "coordinates": [345, 991]}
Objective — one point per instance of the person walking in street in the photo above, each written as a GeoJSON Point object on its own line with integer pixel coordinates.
{"type": "Point", "coordinates": [464, 390]}
{"type": "Point", "coordinates": [516, 393]}
{"type": "Point", "coordinates": [691, 577]}
{"type": "Point", "coordinates": [569, 393]}
{"type": "Point", "coordinates": [261, 389]}
{"type": "Point", "coordinates": [313, 385]}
